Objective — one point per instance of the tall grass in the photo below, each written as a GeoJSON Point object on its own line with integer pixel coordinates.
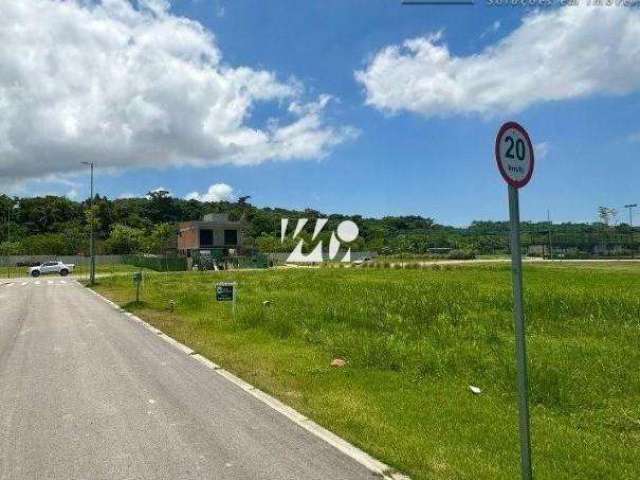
{"type": "Point", "coordinates": [414, 340]}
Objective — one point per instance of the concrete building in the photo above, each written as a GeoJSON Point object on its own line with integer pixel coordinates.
{"type": "Point", "coordinates": [215, 234]}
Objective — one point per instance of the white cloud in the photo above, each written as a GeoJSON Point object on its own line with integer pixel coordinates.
{"type": "Point", "coordinates": [137, 87]}
{"type": "Point", "coordinates": [45, 185]}
{"type": "Point", "coordinates": [541, 150]}
{"type": "Point", "coordinates": [493, 28]}
{"type": "Point", "coordinates": [561, 54]}
{"type": "Point", "coordinates": [219, 192]}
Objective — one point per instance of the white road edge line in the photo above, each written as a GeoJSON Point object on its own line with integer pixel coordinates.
{"type": "Point", "coordinates": [363, 458]}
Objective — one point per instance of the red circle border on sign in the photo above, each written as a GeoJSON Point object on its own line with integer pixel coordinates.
{"type": "Point", "coordinates": [520, 128]}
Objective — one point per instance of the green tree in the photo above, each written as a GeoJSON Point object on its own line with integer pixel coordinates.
{"type": "Point", "coordinates": [161, 238]}
{"type": "Point", "coordinates": [46, 244]}
{"type": "Point", "coordinates": [11, 248]}
{"type": "Point", "coordinates": [124, 240]}
{"type": "Point", "coordinates": [47, 214]}
{"type": "Point", "coordinates": [161, 208]}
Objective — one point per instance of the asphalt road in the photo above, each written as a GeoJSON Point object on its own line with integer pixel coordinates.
{"type": "Point", "coordinates": [86, 393]}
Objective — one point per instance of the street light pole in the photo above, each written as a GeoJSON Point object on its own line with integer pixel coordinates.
{"type": "Point", "coordinates": [13, 207]}
{"type": "Point", "coordinates": [631, 206]}
{"type": "Point", "coordinates": [549, 232]}
{"type": "Point", "coordinates": [92, 247]}
{"type": "Point", "coordinates": [8, 242]}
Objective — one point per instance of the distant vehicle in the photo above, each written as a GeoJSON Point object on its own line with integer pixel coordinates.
{"type": "Point", "coordinates": [58, 267]}
{"type": "Point", "coordinates": [362, 261]}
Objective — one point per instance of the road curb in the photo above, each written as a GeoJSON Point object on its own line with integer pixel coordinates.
{"type": "Point", "coordinates": [363, 458]}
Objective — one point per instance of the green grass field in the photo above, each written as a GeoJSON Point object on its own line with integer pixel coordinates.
{"type": "Point", "coordinates": [414, 341]}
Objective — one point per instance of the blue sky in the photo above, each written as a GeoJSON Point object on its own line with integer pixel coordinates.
{"type": "Point", "coordinates": [434, 160]}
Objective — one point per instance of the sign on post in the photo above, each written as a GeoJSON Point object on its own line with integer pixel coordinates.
{"type": "Point", "coordinates": [514, 155]}
{"type": "Point", "coordinates": [226, 292]}
{"type": "Point", "coordinates": [137, 279]}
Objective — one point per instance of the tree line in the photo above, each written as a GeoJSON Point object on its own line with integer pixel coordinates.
{"type": "Point", "coordinates": [56, 225]}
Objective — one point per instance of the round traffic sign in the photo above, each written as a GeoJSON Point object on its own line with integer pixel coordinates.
{"type": "Point", "coordinates": [514, 154]}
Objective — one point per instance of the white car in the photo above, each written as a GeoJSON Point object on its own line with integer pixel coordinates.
{"type": "Point", "coordinates": [58, 267]}
{"type": "Point", "coordinates": [361, 261]}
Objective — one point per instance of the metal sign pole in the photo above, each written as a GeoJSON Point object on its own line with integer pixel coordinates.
{"type": "Point", "coordinates": [521, 344]}
{"type": "Point", "coordinates": [233, 301]}
{"type": "Point", "coordinates": [137, 279]}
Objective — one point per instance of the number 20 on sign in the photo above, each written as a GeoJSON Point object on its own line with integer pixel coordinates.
{"type": "Point", "coordinates": [514, 155]}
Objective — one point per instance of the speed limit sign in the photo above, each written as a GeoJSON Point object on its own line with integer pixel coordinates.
{"type": "Point", "coordinates": [514, 154]}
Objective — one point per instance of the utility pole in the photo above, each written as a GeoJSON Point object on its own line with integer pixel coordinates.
{"type": "Point", "coordinates": [549, 233]}
{"type": "Point", "coordinates": [8, 242]}
{"type": "Point", "coordinates": [631, 206]}
{"type": "Point", "coordinates": [13, 207]}
{"type": "Point", "coordinates": [92, 247]}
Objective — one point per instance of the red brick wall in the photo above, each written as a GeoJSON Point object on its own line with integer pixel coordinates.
{"type": "Point", "coordinates": [188, 239]}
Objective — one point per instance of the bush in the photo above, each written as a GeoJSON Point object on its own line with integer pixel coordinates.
{"type": "Point", "coordinates": [10, 248]}
{"type": "Point", "coordinates": [461, 255]}
{"type": "Point", "coordinates": [47, 244]}
{"type": "Point", "coordinates": [160, 264]}
{"type": "Point", "coordinates": [578, 255]}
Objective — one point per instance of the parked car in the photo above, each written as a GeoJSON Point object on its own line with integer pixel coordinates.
{"type": "Point", "coordinates": [58, 267]}
{"type": "Point", "coordinates": [362, 261]}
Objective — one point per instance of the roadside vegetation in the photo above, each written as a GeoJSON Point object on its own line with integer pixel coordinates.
{"type": "Point", "coordinates": [414, 341]}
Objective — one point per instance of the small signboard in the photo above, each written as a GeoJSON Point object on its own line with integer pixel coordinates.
{"type": "Point", "coordinates": [225, 292]}
{"type": "Point", "coordinates": [514, 154]}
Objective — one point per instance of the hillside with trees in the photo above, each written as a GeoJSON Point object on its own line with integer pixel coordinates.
{"type": "Point", "coordinates": [55, 225]}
